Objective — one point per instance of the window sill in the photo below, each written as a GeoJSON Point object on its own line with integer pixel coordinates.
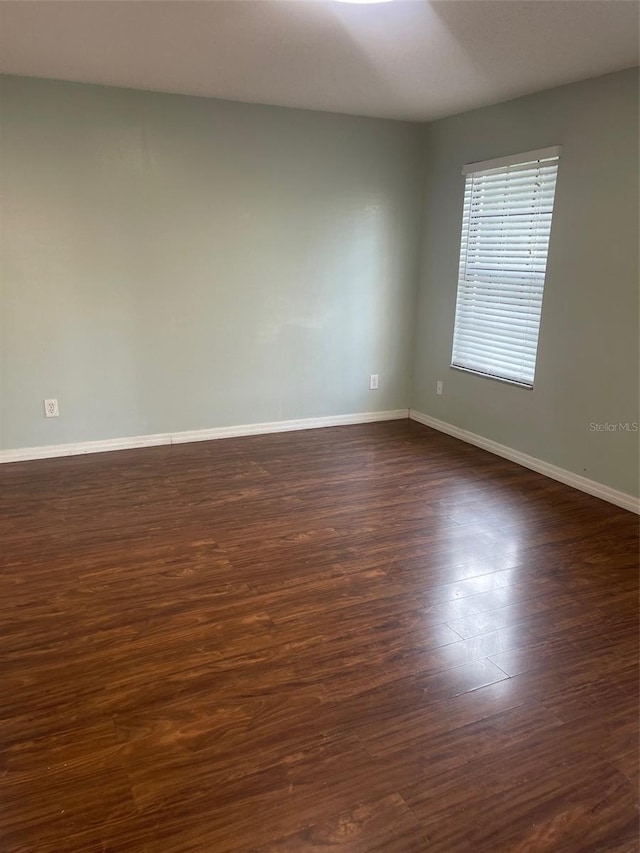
{"type": "Point", "coordinates": [525, 386]}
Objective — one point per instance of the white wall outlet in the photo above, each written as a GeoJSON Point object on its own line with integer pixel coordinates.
{"type": "Point", "coordinates": [373, 382]}
{"type": "Point", "coordinates": [439, 387]}
{"type": "Point", "coordinates": [51, 409]}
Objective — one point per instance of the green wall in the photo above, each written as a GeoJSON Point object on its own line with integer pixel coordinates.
{"type": "Point", "coordinates": [173, 263]}
{"type": "Point", "coordinates": [587, 369]}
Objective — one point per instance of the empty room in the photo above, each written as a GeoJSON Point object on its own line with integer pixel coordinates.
{"type": "Point", "coordinates": [319, 426]}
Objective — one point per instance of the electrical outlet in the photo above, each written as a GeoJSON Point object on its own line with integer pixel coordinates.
{"type": "Point", "coordinates": [439, 387]}
{"type": "Point", "coordinates": [373, 382]}
{"type": "Point", "coordinates": [51, 409]}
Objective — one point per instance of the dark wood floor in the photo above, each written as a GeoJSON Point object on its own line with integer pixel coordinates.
{"type": "Point", "coordinates": [368, 638]}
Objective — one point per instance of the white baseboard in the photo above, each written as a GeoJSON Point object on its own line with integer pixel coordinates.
{"type": "Point", "coordinates": [50, 451]}
{"type": "Point", "coordinates": [583, 484]}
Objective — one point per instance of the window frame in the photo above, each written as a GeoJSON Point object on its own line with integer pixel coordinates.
{"type": "Point", "coordinates": [526, 161]}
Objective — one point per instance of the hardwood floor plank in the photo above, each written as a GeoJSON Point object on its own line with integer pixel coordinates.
{"type": "Point", "coordinates": [593, 812]}
{"type": "Point", "coordinates": [434, 723]}
{"type": "Point", "coordinates": [369, 638]}
{"type": "Point", "coordinates": [553, 784]}
{"type": "Point", "coordinates": [380, 825]}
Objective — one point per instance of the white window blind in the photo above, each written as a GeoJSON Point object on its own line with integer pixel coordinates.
{"type": "Point", "coordinates": [506, 223]}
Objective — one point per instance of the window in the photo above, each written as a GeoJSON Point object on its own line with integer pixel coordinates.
{"type": "Point", "coordinates": [506, 223]}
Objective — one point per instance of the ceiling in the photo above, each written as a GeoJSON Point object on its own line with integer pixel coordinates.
{"type": "Point", "coordinates": [405, 59]}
